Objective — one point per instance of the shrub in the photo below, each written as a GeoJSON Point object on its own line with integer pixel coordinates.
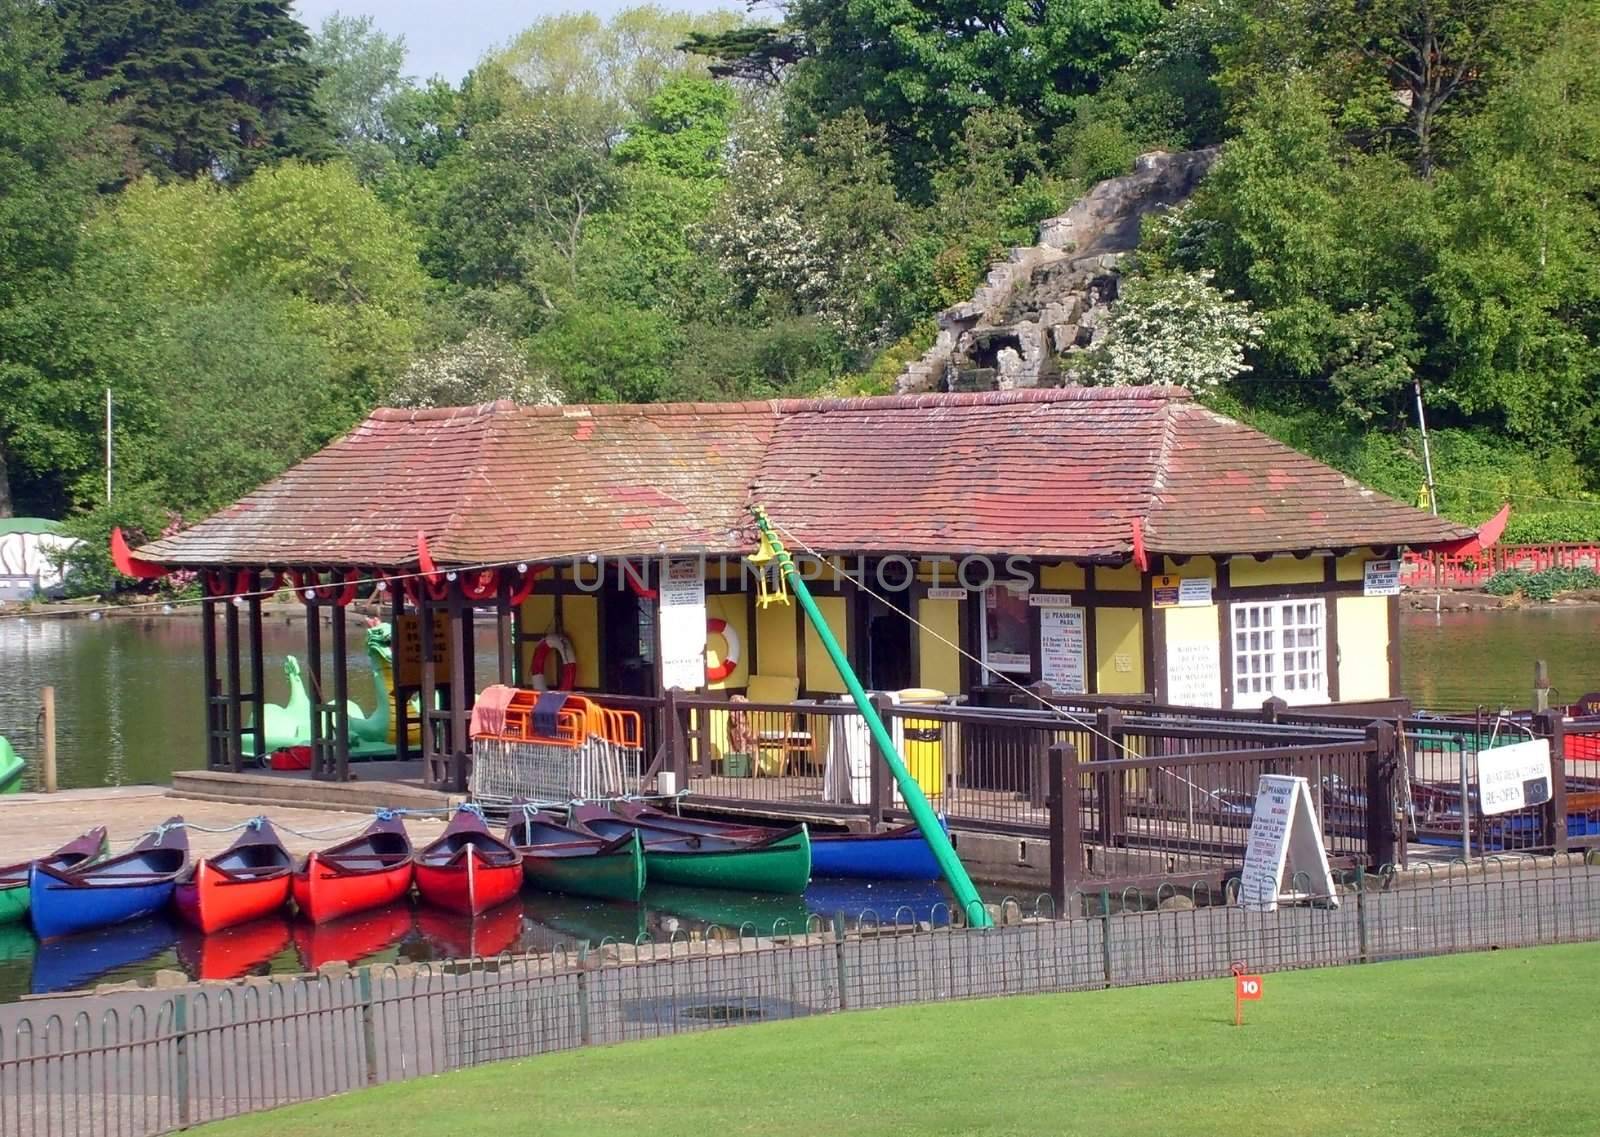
{"type": "Point", "coordinates": [1545, 585]}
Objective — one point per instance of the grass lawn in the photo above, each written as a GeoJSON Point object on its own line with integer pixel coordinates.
{"type": "Point", "coordinates": [1475, 1045]}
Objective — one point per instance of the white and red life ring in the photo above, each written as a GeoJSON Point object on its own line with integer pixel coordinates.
{"type": "Point", "coordinates": [717, 626]}
{"type": "Point", "coordinates": [566, 674]}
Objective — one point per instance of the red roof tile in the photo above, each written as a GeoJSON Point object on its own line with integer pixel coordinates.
{"type": "Point", "coordinates": [1051, 473]}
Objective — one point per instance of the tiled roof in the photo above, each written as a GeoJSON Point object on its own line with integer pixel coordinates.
{"type": "Point", "coordinates": [1050, 473]}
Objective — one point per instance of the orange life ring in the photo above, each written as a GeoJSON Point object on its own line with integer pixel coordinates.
{"type": "Point", "coordinates": [566, 674]}
{"type": "Point", "coordinates": [717, 626]}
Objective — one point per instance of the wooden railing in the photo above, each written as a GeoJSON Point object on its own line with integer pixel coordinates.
{"type": "Point", "coordinates": [1473, 570]}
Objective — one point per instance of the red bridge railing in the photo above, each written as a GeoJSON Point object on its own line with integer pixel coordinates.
{"type": "Point", "coordinates": [1444, 570]}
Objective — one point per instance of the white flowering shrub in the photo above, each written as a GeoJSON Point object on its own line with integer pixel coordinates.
{"type": "Point", "coordinates": [1173, 329]}
{"type": "Point", "coordinates": [482, 368]}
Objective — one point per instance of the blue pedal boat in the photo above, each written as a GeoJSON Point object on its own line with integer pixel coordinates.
{"type": "Point", "coordinates": [137, 883]}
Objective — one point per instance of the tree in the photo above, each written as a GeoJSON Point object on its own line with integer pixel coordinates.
{"type": "Point", "coordinates": [361, 79]}
{"type": "Point", "coordinates": [204, 87]}
{"type": "Point", "coordinates": [684, 130]}
{"type": "Point", "coordinates": [481, 368]}
{"type": "Point", "coordinates": [52, 157]}
{"type": "Point", "coordinates": [918, 68]}
{"type": "Point", "coordinates": [1173, 329]}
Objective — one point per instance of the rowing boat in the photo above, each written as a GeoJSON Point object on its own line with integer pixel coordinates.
{"type": "Point", "coordinates": [561, 859]}
{"type": "Point", "coordinates": [244, 882]}
{"type": "Point", "coordinates": [780, 862]}
{"type": "Point", "coordinates": [14, 878]}
{"type": "Point", "coordinates": [894, 854]}
{"type": "Point", "coordinates": [468, 869]}
{"type": "Point", "coordinates": [364, 872]}
{"type": "Point", "coordinates": [125, 887]}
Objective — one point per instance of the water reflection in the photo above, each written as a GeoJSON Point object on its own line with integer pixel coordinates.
{"type": "Point", "coordinates": [68, 962]}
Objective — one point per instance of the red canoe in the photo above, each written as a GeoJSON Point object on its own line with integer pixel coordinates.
{"type": "Point", "coordinates": [352, 876]}
{"type": "Point", "coordinates": [246, 881]}
{"type": "Point", "coordinates": [235, 951]}
{"type": "Point", "coordinates": [468, 869]}
{"type": "Point", "coordinates": [354, 939]}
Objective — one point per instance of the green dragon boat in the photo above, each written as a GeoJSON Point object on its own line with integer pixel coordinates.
{"type": "Point", "coordinates": [85, 850]}
{"type": "Point", "coordinates": [779, 863]}
{"type": "Point", "coordinates": [11, 768]}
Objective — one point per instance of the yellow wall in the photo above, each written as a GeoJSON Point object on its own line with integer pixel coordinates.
{"type": "Point", "coordinates": [946, 567]}
{"type": "Point", "coordinates": [1123, 578]}
{"type": "Point", "coordinates": [730, 607]}
{"type": "Point", "coordinates": [1119, 651]}
{"type": "Point", "coordinates": [938, 663]}
{"type": "Point", "coordinates": [1245, 572]}
{"type": "Point", "coordinates": [1062, 577]}
{"type": "Point", "coordinates": [1363, 648]}
{"type": "Point", "coordinates": [821, 675]}
{"type": "Point", "coordinates": [1193, 568]}
{"type": "Point", "coordinates": [775, 640]}
{"type": "Point", "coordinates": [580, 621]}
{"type": "Point", "coordinates": [1352, 566]}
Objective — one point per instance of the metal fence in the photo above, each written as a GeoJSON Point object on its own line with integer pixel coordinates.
{"type": "Point", "coordinates": [132, 1064]}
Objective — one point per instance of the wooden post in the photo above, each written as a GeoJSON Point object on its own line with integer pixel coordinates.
{"type": "Point", "coordinates": [1383, 760]}
{"type": "Point", "coordinates": [321, 767]}
{"type": "Point", "coordinates": [429, 694]}
{"type": "Point", "coordinates": [1541, 685]}
{"type": "Point", "coordinates": [458, 629]}
{"type": "Point", "coordinates": [341, 695]}
{"type": "Point", "coordinates": [401, 705]}
{"type": "Point", "coordinates": [1272, 710]}
{"type": "Point", "coordinates": [208, 667]}
{"type": "Point", "coordinates": [881, 790]}
{"type": "Point", "coordinates": [47, 698]}
{"type": "Point", "coordinates": [1549, 724]}
{"type": "Point", "coordinates": [235, 691]}
{"type": "Point", "coordinates": [258, 685]}
{"type": "Point", "coordinates": [678, 760]}
{"type": "Point", "coordinates": [503, 637]}
{"type": "Point", "coordinates": [1066, 825]}
{"type": "Point", "coordinates": [1108, 748]}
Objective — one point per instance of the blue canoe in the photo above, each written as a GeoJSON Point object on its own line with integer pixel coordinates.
{"type": "Point", "coordinates": [137, 883]}
{"type": "Point", "coordinates": [894, 854]}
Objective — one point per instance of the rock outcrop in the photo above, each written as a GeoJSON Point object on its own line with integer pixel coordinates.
{"type": "Point", "coordinates": [1045, 302]}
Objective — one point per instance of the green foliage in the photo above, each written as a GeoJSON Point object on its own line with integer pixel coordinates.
{"type": "Point", "coordinates": [1552, 524]}
{"type": "Point", "coordinates": [362, 78]}
{"type": "Point", "coordinates": [683, 131]}
{"type": "Point", "coordinates": [1546, 584]}
{"type": "Point", "coordinates": [137, 512]}
{"type": "Point", "coordinates": [203, 87]}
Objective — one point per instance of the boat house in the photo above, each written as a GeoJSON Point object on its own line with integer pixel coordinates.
{"type": "Point", "coordinates": [1108, 543]}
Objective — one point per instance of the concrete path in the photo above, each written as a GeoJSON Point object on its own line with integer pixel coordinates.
{"type": "Point", "coordinates": [34, 824]}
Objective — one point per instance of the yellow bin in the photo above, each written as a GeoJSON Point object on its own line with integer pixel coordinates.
{"type": "Point", "coordinates": [923, 741]}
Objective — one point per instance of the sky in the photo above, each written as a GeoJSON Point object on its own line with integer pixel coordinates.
{"type": "Point", "coordinates": [447, 37]}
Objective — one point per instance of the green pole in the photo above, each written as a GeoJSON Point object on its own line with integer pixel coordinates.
{"type": "Point", "coordinates": [955, 874]}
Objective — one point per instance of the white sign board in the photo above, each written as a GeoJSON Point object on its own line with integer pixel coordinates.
{"type": "Point", "coordinates": [683, 624]}
{"type": "Point", "coordinates": [1050, 600]}
{"type": "Point", "coordinates": [940, 592]}
{"type": "Point", "coordinates": [1194, 592]}
{"type": "Point", "coordinates": [1194, 674]}
{"type": "Point", "coordinates": [1514, 777]}
{"type": "Point", "coordinates": [1061, 650]}
{"type": "Point", "coordinates": [1381, 578]}
{"type": "Point", "coordinates": [1285, 845]}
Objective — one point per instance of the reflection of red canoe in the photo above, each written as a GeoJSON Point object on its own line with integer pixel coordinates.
{"type": "Point", "coordinates": [248, 880]}
{"type": "Point", "coordinates": [454, 936]}
{"type": "Point", "coordinates": [354, 938]}
{"type": "Point", "coordinates": [355, 875]}
{"type": "Point", "coordinates": [234, 951]}
{"type": "Point", "coordinates": [468, 869]}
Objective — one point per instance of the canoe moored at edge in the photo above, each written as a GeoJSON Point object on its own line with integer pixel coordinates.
{"type": "Point", "coordinates": [247, 880]}
{"type": "Point", "coordinates": [124, 887]}
{"type": "Point", "coordinates": [779, 863]}
{"type": "Point", "coordinates": [364, 872]}
{"type": "Point", "coordinates": [79, 851]}
{"type": "Point", "coordinates": [894, 854]}
{"type": "Point", "coordinates": [468, 869]}
{"type": "Point", "coordinates": [558, 858]}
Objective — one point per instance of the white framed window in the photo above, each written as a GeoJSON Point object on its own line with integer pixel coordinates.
{"type": "Point", "coordinates": [1280, 649]}
{"type": "Point", "coordinates": [1006, 631]}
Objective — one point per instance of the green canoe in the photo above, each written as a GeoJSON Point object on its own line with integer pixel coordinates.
{"type": "Point", "coordinates": [91, 847]}
{"type": "Point", "coordinates": [780, 863]}
{"type": "Point", "coordinates": [558, 859]}
{"type": "Point", "coordinates": [11, 767]}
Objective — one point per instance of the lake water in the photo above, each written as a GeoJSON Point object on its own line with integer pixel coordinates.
{"type": "Point", "coordinates": [128, 689]}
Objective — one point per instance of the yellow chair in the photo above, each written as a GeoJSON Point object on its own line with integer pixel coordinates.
{"type": "Point", "coordinates": [779, 739]}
